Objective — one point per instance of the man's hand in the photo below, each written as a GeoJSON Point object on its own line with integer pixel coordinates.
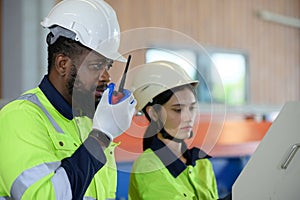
{"type": "Point", "coordinates": [114, 119]}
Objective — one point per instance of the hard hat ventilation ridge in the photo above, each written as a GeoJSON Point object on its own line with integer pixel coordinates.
{"type": "Point", "coordinates": [56, 32]}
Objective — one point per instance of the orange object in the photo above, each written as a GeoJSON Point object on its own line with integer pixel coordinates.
{"type": "Point", "coordinates": [116, 97]}
{"type": "Point", "coordinates": [231, 138]}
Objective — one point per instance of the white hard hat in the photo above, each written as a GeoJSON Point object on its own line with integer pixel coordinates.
{"type": "Point", "coordinates": [93, 22]}
{"type": "Point", "coordinates": [153, 78]}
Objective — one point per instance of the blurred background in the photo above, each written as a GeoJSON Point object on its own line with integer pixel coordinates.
{"type": "Point", "coordinates": [253, 47]}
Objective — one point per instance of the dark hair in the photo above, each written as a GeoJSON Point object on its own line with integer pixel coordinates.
{"type": "Point", "coordinates": [160, 99]}
{"type": "Point", "coordinates": [65, 46]}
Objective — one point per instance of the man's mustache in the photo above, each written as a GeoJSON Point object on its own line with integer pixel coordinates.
{"type": "Point", "coordinates": [103, 86]}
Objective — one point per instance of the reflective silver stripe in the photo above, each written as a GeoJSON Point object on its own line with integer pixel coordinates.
{"type": "Point", "coordinates": [60, 181]}
{"type": "Point", "coordinates": [33, 98]}
{"type": "Point", "coordinates": [61, 184]}
{"type": "Point", "coordinates": [30, 176]}
{"type": "Point", "coordinates": [88, 198]}
{"type": "Point", "coordinates": [6, 198]}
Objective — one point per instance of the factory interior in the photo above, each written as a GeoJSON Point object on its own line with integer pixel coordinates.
{"type": "Point", "coordinates": [245, 55]}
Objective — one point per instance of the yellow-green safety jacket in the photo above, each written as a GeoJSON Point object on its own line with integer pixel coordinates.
{"type": "Point", "coordinates": [45, 151]}
{"type": "Point", "coordinates": [159, 174]}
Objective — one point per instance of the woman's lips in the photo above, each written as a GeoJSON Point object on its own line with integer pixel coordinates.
{"type": "Point", "coordinates": [187, 128]}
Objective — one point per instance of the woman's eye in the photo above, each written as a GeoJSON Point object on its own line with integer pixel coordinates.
{"type": "Point", "coordinates": [193, 108]}
{"type": "Point", "coordinates": [178, 110]}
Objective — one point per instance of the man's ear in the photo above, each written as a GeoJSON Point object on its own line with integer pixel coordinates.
{"type": "Point", "coordinates": [61, 64]}
{"type": "Point", "coordinates": [152, 113]}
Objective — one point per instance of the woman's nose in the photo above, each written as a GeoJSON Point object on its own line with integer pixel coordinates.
{"type": "Point", "coordinates": [187, 115]}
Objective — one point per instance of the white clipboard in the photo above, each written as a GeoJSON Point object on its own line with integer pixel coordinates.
{"type": "Point", "coordinates": [273, 171]}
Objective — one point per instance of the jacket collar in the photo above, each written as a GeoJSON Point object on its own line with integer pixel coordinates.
{"type": "Point", "coordinates": [169, 159]}
{"type": "Point", "coordinates": [55, 98]}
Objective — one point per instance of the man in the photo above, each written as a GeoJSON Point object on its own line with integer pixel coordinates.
{"type": "Point", "coordinates": [50, 147]}
{"type": "Point", "coordinates": [102, 85]}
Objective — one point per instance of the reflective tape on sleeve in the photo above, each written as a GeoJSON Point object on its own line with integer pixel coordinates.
{"type": "Point", "coordinates": [6, 198]}
{"type": "Point", "coordinates": [61, 184]}
{"type": "Point", "coordinates": [31, 176]}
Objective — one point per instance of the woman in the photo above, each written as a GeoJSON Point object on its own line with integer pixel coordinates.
{"type": "Point", "coordinates": [167, 169]}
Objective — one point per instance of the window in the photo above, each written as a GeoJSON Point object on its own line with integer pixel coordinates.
{"type": "Point", "coordinates": [184, 58]}
{"type": "Point", "coordinates": [222, 74]}
{"type": "Point", "coordinates": [232, 70]}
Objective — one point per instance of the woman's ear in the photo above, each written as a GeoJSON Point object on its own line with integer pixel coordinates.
{"type": "Point", "coordinates": [152, 113]}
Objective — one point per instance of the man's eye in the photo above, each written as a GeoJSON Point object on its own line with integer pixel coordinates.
{"type": "Point", "coordinates": [97, 66]}
{"type": "Point", "coordinates": [109, 65]}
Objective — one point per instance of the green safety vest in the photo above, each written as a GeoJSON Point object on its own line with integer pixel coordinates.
{"type": "Point", "coordinates": [34, 138]}
{"type": "Point", "coordinates": [150, 179]}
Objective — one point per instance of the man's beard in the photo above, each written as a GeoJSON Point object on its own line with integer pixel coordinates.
{"type": "Point", "coordinates": [83, 101]}
{"type": "Point", "coordinates": [100, 87]}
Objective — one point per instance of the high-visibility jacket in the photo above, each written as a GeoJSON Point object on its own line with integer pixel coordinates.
{"type": "Point", "coordinates": [42, 153]}
{"type": "Point", "coordinates": [159, 174]}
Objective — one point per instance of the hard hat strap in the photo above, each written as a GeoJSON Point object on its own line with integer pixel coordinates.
{"type": "Point", "coordinates": [166, 135]}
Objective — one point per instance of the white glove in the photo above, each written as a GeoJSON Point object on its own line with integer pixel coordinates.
{"type": "Point", "coordinates": [114, 119]}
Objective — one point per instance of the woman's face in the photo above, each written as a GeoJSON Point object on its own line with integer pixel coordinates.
{"type": "Point", "coordinates": [178, 114]}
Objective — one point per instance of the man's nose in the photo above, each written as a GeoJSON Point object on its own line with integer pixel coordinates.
{"type": "Point", "coordinates": [104, 77]}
